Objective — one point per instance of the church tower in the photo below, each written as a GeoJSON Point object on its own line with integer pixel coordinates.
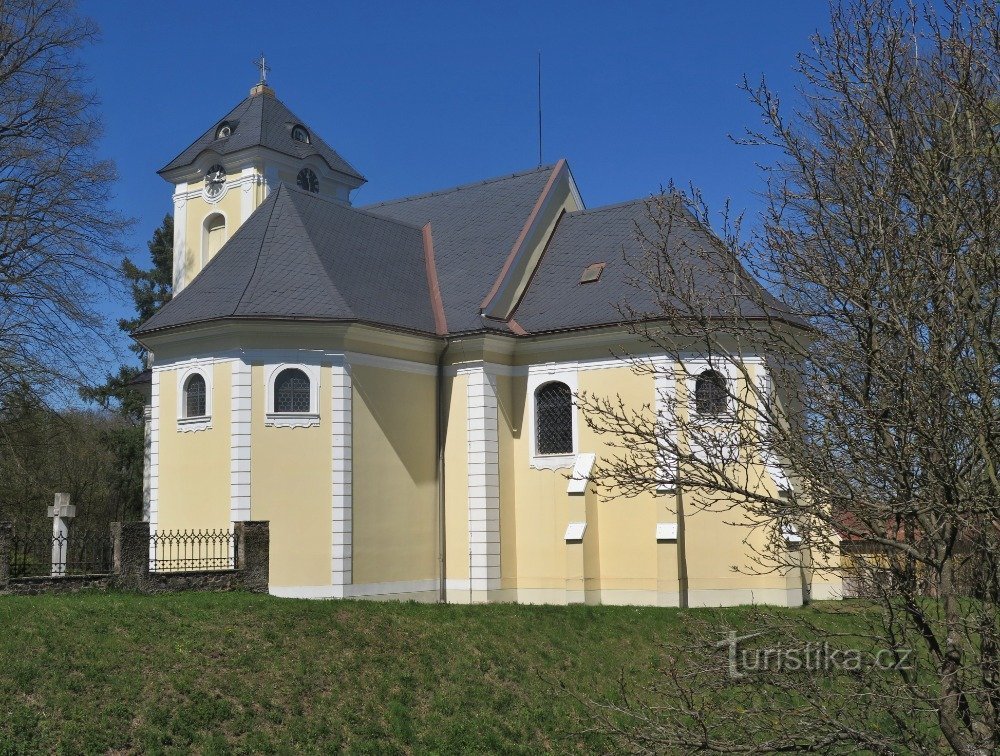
{"type": "Point", "coordinates": [225, 174]}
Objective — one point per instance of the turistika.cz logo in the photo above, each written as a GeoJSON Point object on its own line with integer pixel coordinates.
{"type": "Point", "coordinates": [814, 657]}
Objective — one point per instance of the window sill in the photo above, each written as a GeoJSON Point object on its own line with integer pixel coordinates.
{"type": "Point", "coordinates": [552, 461]}
{"type": "Point", "coordinates": [291, 419]}
{"type": "Point", "coordinates": [192, 424]}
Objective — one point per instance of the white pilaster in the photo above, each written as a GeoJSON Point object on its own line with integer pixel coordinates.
{"type": "Point", "coordinates": [248, 192]}
{"type": "Point", "coordinates": [152, 515]}
{"type": "Point", "coordinates": [665, 385]}
{"type": "Point", "coordinates": [341, 478]}
{"type": "Point", "coordinates": [239, 444]}
{"type": "Point", "coordinates": [180, 232]}
{"type": "Point", "coordinates": [484, 484]}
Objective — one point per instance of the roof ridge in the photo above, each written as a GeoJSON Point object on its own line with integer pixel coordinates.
{"type": "Point", "coordinates": [260, 252]}
{"type": "Point", "coordinates": [613, 206]}
{"type": "Point", "coordinates": [331, 201]}
{"type": "Point", "coordinates": [460, 187]}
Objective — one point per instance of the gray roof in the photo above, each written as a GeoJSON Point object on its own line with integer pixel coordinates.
{"type": "Point", "coordinates": [262, 120]}
{"type": "Point", "coordinates": [300, 256]}
{"type": "Point", "coordinates": [555, 299]}
{"type": "Point", "coordinates": [474, 228]}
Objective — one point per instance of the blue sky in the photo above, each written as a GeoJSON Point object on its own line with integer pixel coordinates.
{"type": "Point", "coordinates": [422, 96]}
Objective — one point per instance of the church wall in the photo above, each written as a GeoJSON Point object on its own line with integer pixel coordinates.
{"type": "Point", "coordinates": [395, 466]}
{"type": "Point", "coordinates": [456, 468]}
{"type": "Point", "coordinates": [292, 488]}
{"type": "Point", "coordinates": [193, 489]}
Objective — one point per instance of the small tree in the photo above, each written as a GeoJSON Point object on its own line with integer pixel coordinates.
{"type": "Point", "coordinates": [877, 391]}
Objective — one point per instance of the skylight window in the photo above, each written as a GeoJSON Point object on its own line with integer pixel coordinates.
{"type": "Point", "coordinates": [592, 272]}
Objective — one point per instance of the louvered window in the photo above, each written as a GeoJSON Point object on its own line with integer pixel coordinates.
{"type": "Point", "coordinates": [194, 396]}
{"type": "Point", "coordinates": [554, 419]}
{"type": "Point", "coordinates": [291, 391]}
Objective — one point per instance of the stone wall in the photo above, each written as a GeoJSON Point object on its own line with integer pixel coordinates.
{"type": "Point", "coordinates": [130, 569]}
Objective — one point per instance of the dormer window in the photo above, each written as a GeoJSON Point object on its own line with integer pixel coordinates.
{"type": "Point", "coordinates": [223, 131]}
{"type": "Point", "coordinates": [299, 134]}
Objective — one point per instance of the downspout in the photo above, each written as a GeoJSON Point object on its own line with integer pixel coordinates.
{"type": "Point", "coordinates": [440, 441]}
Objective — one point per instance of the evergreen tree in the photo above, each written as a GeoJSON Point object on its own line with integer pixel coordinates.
{"type": "Point", "coordinates": [151, 289]}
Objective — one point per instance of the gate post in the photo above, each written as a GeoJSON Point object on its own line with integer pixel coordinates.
{"type": "Point", "coordinates": [131, 554]}
{"type": "Point", "coordinates": [6, 546]}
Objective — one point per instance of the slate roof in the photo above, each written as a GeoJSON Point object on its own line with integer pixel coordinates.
{"type": "Point", "coordinates": [300, 256]}
{"type": "Point", "coordinates": [262, 120]}
{"type": "Point", "coordinates": [555, 299]}
{"type": "Point", "coordinates": [474, 228]}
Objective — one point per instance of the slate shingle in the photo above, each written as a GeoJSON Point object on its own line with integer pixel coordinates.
{"type": "Point", "coordinates": [262, 121]}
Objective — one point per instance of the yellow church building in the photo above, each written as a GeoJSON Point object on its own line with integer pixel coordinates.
{"type": "Point", "coordinates": [391, 386]}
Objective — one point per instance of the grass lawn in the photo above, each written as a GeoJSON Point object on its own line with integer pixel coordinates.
{"type": "Point", "coordinates": [239, 672]}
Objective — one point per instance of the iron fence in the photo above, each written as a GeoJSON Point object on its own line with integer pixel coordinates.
{"type": "Point", "coordinates": [192, 550]}
{"type": "Point", "coordinates": [82, 552]}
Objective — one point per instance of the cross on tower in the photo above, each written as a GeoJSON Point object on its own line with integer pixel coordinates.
{"type": "Point", "coordinates": [261, 63]}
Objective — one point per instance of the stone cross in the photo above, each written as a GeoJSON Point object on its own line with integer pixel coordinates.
{"type": "Point", "coordinates": [61, 513]}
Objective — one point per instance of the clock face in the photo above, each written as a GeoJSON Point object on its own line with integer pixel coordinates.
{"type": "Point", "coordinates": [307, 180]}
{"type": "Point", "coordinates": [215, 180]}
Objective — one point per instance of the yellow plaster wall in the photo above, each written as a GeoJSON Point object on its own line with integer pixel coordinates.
{"type": "Point", "coordinates": [291, 486]}
{"type": "Point", "coordinates": [198, 210]}
{"type": "Point", "coordinates": [194, 466]}
{"type": "Point", "coordinates": [456, 480]}
{"type": "Point", "coordinates": [395, 466]}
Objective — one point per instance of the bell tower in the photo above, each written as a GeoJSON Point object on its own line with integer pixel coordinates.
{"type": "Point", "coordinates": [225, 174]}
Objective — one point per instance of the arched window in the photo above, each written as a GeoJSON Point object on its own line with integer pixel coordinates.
{"type": "Point", "coordinates": [291, 391]}
{"type": "Point", "coordinates": [215, 236]}
{"type": "Point", "coordinates": [710, 394]}
{"type": "Point", "coordinates": [554, 419]}
{"type": "Point", "coordinates": [195, 396]}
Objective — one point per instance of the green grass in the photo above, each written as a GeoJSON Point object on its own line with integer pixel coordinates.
{"type": "Point", "coordinates": [218, 673]}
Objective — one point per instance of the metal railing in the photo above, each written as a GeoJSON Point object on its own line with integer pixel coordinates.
{"type": "Point", "coordinates": [81, 552]}
{"type": "Point", "coordinates": [192, 550]}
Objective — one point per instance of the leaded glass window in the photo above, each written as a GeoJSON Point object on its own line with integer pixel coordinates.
{"type": "Point", "coordinates": [554, 419]}
{"type": "Point", "coordinates": [291, 391]}
{"type": "Point", "coordinates": [194, 396]}
{"type": "Point", "coordinates": [710, 394]}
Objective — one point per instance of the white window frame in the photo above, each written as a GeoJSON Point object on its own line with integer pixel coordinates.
{"type": "Point", "coordinates": [538, 376]}
{"type": "Point", "coordinates": [204, 422]}
{"type": "Point", "coordinates": [692, 371]}
{"type": "Point", "coordinates": [292, 419]}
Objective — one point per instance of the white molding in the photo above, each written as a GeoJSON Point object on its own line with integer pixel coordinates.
{"type": "Point", "coordinates": [240, 435]}
{"type": "Point", "coordinates": [292, 419]}
{"type": "Point", "coordinates": [248, 183]}
{"type": "Point", "coordinates": [770, 460]}
{"type": "Point", "coordinates": [582, 469]}
{"type": "Point", "coordinates": [538, 376]}
{"type": "Point", "coordinates": [388, 590]}
{"type": "Point", "coordinates": [180, 231]}
{"type": "Point", "coordinates": [483, 481]}
{"type": "Point", "coordinates": [185, 424]}
{"type": "Point", "coordinates": [390, 363]}
{"type": "Point", "coordinates": [341, 477]}
{"type": "Point", "coordinates": [665, 386]}
{"type": "Point", "coordinates": [153, 515]}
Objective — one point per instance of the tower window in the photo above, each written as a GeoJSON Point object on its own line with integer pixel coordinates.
{"type": "Point", "coordinates": [224, 131]}
{"type": "Point", "coordinates": [710, 393]}
{"type": "Point", "coordinates": [307, 180]}
{"type": "Point", "coordinates": [291, 391]}
{"type": "Point", "coordinates": [195, 397]}
{"type": "Point", "coordinates": [554, 419]}
{"type": "Point", "coordinates": [214, 236]}
{"type": "Point", "coordinates": [299, 134]}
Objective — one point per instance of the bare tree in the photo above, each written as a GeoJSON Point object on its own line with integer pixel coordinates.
{"type": "Point", "coordinates": [861, 404]}
{"type": "Point", "coordinates": [60, 244]}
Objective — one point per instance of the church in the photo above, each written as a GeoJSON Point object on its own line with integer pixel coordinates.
{"type": "Point", "coordinates": [392, 386]}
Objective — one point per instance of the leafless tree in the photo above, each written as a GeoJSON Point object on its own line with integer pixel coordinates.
{"type": "Point", "coordinates": [862, 402]}
{"type": "Point", "coordinates": [60, 243]}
